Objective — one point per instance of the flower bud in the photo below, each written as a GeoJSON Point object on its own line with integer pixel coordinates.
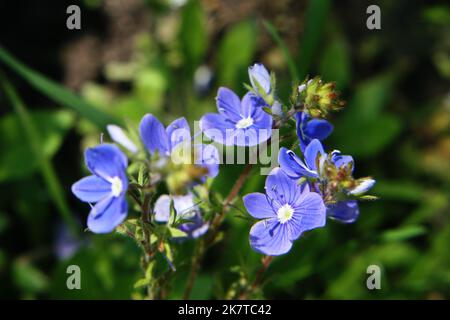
{"type": "Point", "coordinates": [320, 98]}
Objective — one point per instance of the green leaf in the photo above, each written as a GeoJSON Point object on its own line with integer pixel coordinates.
{"type": "Point", "coordinates": [19, 161]}
{"type": "Point", "coordinates": [57, 92]}
{"type": "Point", "coordinates": [177, 233]}
{"type": "Point", "coordinates": [403, 233]}
{"type": "Point", "coordinates": [236, 51]}
{"type": "Point", "coordinates": [193, 35]}
{"type": "Point", "coordinates": [32, 137]}
{"type": "Point", "coordinates": [28, 278]}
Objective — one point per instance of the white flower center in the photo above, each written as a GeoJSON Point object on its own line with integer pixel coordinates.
{"type": "Point", "coordinates": [285, 213]}
{"type": "Point", "coordinates": [244, 123]}
{"type": "Point", "coordinates": [116, 186]}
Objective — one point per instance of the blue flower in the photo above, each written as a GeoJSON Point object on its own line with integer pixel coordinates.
{"type": "Point", "coordinates": [106, 187]}
{"type": "Point", "coordinates": [259, 78]}
{"type": "Point", "coordinates": [309, 129]}
{"type": "Point", "coordinates": [287, 210]}
{"type": "Point", "coordinates": [185, 209]}
{"type": "Point", "coordinates": [346, 211]}
{"type": "Point", "coordinates": [174, 140]}
{"type": "Point", "coordinates": [241, 123]}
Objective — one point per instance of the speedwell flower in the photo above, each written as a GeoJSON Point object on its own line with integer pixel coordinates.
{"type": "Point", "coordinates": [188, 163]}
{"type": "Point", "coordinates": [106, 187]}
{"type": "Point", "coordinates": [287, 210]}
{"type": "Point", "coordinates": [241, 123]}
{"type": "Point", "coordinates": [331, 174]}
{"type": "Point", "coordinates": [309, 129]}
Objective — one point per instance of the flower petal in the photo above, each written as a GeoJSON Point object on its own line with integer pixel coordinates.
{"type": "Point", "coordinates": [91, 189]}
{"type": "Point", "coordinates": [257, 205]}
{"type": "Point", "coordinates": [118, 135]}
{"type": "Point", "coordinates": [270, 237]}
{"type": "Point", "coordinates": [311, 151]}
{"type": "Point", "coordinates": [153, 135]}
{"type": "Point", "coordinates": [318, 129]}
{"type": "Point", "coordinates": [259, 77]}
{"type": "Point", "coordinates": [178, 131]}
{"type": "Point", "coordinates": [207, 156]}
{"type": "Point", "coordinates": [106, 161]}
{"type": "Point", "coordinates": [344, 211]}
{"type": "Point", "coordinates": [184, 206]}
{"type": "Point", "coordinates": [281, 189]}
{"type": "Point", "coordinates": [162, 208]}
{"type": "Point", "coordinates": [340, 160]}
{"type": "Point", "coordinates": [107, 214]}
{"type": "Point", "coordinates": [363, 187]}
{"type": "Point", "coordinates": [293, 166]}
{"type": "Point", "coordinates": [229, 104]}
{"type": "Point", "coordinates": [217, 128]}
{"type": "Point", "coordinates": [309, 213]}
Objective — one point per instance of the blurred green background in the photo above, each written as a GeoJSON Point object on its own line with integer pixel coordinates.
{"type": "Point", "coordinates": [60, 87]}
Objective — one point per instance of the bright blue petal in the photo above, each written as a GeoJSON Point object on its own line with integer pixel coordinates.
{"type": "Point", "coordinates": [229, 104]}
{"type": "Point", "coordinates": [318, 129]}
{"type": "Point", "coordinates": [313, 149]}
{"type": "Point", "coordinates": [217, 128]}
{"type": "Point", "coordinates": [270, 237]}
{"type": "Point", "coordinates": [258, 206]}
{"type": "Point", "coordinates": [153, 135]}
{"type": "Point", "coordinates": [107, 214]}
{"type": "Point", "coordinates": [281, 189]}
{"type": "Point", "coordinates": [91, 189]}
{"type": "Point", "coordinates": [340, 160]}
{"type": "Point", "coordinates": [106, 161]}
{"type": "Point", "coordinates": [344, 211]}
{"type": "Point", "coordinates": [309, 213]}
{"type": "Point", "coordinates": [293, 166]}
{"type": "Point", "coordinates": [178, 131]}
{"type": "Point", "coordinates": [259, 74]}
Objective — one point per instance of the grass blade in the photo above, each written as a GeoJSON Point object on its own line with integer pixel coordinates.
{"type": "Point", "coordinates": [46, 167]}
{"type": "Point", "coordinates": [284, 49]}
{"type": "Point", "coordinates": [57, 92]}
{"type": "Point", "coordinates": [316, 15]}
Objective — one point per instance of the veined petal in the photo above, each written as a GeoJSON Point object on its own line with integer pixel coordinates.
{"type": "Point", "coordinates": [153, 135]}
{"type": "Point", "coordinates": [344, 211]}
{"type": "Point", "coordinates": [107, 214]}
{"type": "Point", "coordinates": [178, 131]}
{"type": "Point", "coordinates": [229, 104]}
{"type": "Point", "coordinates": [257, 205]}
{"type": "Point", "coordinates": [106, 161]}
{"type": "Point", "coordinates": [309, 213]}
{"type": "Point", "coordinates": [91, 189]}
{"type": "Point", "coordinates": [270, 237]}
{"type": "Point", "coordinates": [293, 166]}
{"type": "Point", "coordinates": [218, 128]}
{"type": "Point", "coordinates": [281, 189]}
{"type": "Point", "coordinates": [118, 135]}
{"type": "Point", "coordinates": [313, 149]}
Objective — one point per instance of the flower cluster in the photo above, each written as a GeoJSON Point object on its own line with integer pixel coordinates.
{"type": "Point", "coordinates": [168, 178]}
